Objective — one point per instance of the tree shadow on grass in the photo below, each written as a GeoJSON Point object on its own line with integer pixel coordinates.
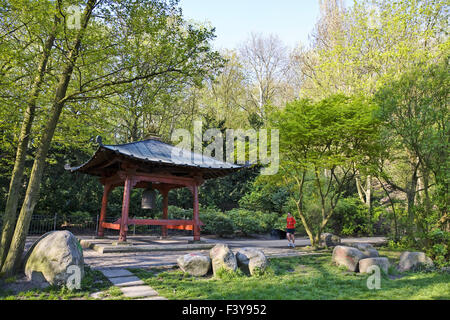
{"type": "Point", "coordinates": [296, 278]}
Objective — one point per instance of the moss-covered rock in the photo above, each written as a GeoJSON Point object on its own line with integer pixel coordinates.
{"type": "Point", "coordinates": [54, 258]}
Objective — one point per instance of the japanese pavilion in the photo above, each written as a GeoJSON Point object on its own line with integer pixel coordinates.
{"type": "Point", "coordinates": [151, 164]}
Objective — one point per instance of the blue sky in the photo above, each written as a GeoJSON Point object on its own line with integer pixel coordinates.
{"type": "Point", "coordinates": [234, 20]}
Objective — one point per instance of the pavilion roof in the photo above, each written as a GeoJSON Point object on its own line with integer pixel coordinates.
{"type": "Point", "coordinates": [154, 155]}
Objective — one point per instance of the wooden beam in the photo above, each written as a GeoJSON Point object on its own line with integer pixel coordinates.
{"type": "Point", "coordinates": [163, 178]}
{"type": "Point", "coordinates": [196, 220]}
{"type": "Point", "coordinates": [107, 189]}
{"type": "Point", "coordinates": [113, 226]}
{"type": "Point", "coordinates": [162, 222]}
{"type": "Point", "coordinates": [165, 194]}
{"type": "Point", "coordinates": [125, 208]}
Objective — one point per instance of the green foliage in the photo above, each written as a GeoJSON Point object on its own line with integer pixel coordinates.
{"type": "Point", "coordinates": [229, 275]}
{"type": "Point", "coordinates": [248, 222]}
{"type": "Point", "coordinates": [267, 197]}
{"type": "Point", "coordinates": [438, 244]}
{"type": "Point", "coordinates": [321, 144]}
{"type": "Point", "coordinates": [351, 218]}
{"type": "Point", "coordinates": [217, 223]}
{"type": "Point", "coordinates": [80, 217]}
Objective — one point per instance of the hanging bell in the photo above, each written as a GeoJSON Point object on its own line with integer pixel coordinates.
{"type": "Point", "coordinates": [148, 198]}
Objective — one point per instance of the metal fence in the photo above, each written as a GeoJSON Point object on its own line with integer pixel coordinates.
{"type": "Point", "coordinates": [42, 224]}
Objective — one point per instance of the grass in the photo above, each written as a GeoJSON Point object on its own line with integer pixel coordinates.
{"type": "Point", "coordinates": [298, 278]}
{"type": "Point", "coordinates": [93, 281]}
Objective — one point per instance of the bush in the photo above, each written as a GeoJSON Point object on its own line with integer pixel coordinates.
{"type": "Point", "coordinates": [228, 223]}
{"type": "Point", "coordinates": [216, 223]}
{"type": "Point", "coordinates": [79, 217]}
{"type": "Point", "coordinates": [438, 244]}
{"type": "Point", "coordinates": [179, 213]}
{"type": "Point", "coordinates": [351, 217]}
{"type": "Point", "coordinates": [249, 222]}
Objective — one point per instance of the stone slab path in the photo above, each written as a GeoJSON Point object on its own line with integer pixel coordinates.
{"type": "Point", "coordinates": [130, 285]}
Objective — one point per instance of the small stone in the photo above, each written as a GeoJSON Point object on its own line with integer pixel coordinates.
{"type": "Point", "coordinates": [250, 260]}
{"type": "Point", "coordinates": [329, 240]}
{"type": "Point", "coordinates": [367, 249]}
{"type": "Point", "coordinates": [365, 264]}
{"type": "Point", "coordinates": [54, 258]}
{"type": "Point", "coordinates": [348, 257]}
{"type": "Point", "coordinates": [222, 257]}
{"type": "Point", "coordinates": [413, 260]}
{"type": "Point", "coordinates": [195, 264]}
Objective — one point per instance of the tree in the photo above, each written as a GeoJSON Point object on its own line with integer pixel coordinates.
{"type": "Point", "coordinates": [321, 144]}
{"type": "Point", "coordinates": [355, 50]}
{"type": "Point", "coordinates": [415, 117]}
{"type": "Point", "coordinates": [9, 218]}
{"type": "Point", "coordinates": [96, 62]}
{"type": "Point", "coordinates": [266, 61]}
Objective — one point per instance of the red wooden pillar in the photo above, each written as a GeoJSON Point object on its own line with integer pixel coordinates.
{"type": "Point", "coordinates": [125, 207]}
{"type": "Point", "coordinates": [107, 189]}
{"type": "Point", "coordinates": [165, 194]}
{"type": "Point", "coordinates": [196, 218]}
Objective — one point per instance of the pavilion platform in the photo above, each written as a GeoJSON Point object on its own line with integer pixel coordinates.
{"type": "Point", "coordinates": [143, 244]}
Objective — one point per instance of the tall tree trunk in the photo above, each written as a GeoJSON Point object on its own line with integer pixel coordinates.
{"type": "Point", "coordinates": [365, 195]}
{"type": "Point", "coordinates": [9, 217]}
{"type": "Point", "coordinates": [13, 258]}
{"type": "Point", "coordinates": [411, 191]}
{"type": "Point", "coordinates": [391, 201]}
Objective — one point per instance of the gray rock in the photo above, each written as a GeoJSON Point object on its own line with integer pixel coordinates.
{"type": "Point", "coordinates": [195, 264]}
{"type": "Point", "coordinates": [348, 257]}
{"type": "Point", "coordinates": [371, 253]}
{"type": "Point", "coordinates": [329, 240]}
{"type": "Point", "coordinates": [365, 264]}
{"type": "Point", "coordinates": [222, 257]}
{"type": "Point", "coordinates": [413, 260]}
{"type": "Point", "coordinates": [251, 260]}
{"type": "Point", "coordinates": [367, 249]}
{"type": "Point", "coordinates": [361, 246]}
{"type": "Point", "coordinates": [54, 258]}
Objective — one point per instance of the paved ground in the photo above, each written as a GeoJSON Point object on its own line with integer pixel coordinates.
{"type": "Point", "coordinates": [130, 285]}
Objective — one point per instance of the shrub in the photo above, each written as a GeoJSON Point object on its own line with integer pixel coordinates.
{"type": "Point", "coordinates": [351, 218]}
{"type": "Point", "coordinates": [79, 217]}
{"type": "Point", "coordinates": [179, 213]}
{"type": "Point", "coordinates": [216, 223]}
{"type": "Point", "coordinates": [249, 222]}
{"type": "Point", "coordinates": [438, 244]}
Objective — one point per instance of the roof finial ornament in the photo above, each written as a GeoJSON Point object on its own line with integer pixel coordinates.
{"type": "Point", "coordinates": [98, 139]}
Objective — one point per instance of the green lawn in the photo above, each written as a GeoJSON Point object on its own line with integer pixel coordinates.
{"type": "Point", "coordinates": [94, 281]}
{"type": "Point", "coordinates": [308, 277]}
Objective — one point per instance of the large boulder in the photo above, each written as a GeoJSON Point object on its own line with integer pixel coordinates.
{"type": "Point", "coordinates": [365, 264]}
{"type": "Point", "coordinates": [222, 258]}
{"type": "Point", "coordinates": [54, 258]}
{"type": "Point", "coordinates": [195, 264]}
{"type": "Point", "coordinates": [348, 257]}
{"type": "Point", "coordinates": [329, 240]}
{"type": "Point", "coordinates": [366, 248]}
{"type": "Point", "coordinates": [251, 260]}
{"type": "Point", "coordinates": [413, 260]}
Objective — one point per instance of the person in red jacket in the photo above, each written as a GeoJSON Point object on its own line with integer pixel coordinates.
{"type": "Point", "coordinates": [290, 230]}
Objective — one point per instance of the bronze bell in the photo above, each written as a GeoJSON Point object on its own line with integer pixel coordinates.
{"type": "Point", "coordinates": [148, 198]}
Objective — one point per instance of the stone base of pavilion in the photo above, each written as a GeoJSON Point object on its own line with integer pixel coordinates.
{"type": "Point", "coordinates": [144, 244]}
